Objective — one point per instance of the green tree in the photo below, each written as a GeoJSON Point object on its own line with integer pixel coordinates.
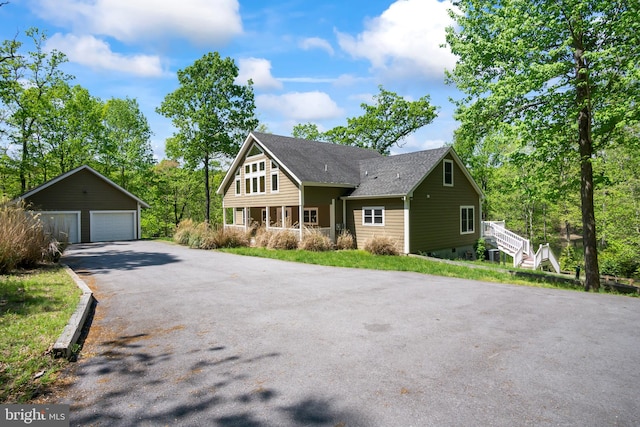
{"type": "Point", "coordinates": [71, 128]}
{"type": "Point", "coordinates": [565, 71]}
{"type": "Point", "coordinates": [125, 150]}
{"type": "Point", "coordinates": [384, 124]}
{"type": "Point", "coordinates": [212, 114]}
{"type": "Point", "coordinates": [25, 82]}
{"type": "Point", "coordinates": [308, 131]}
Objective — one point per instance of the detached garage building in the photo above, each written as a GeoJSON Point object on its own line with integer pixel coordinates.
{"type": "Point", "coordinates": [87, 206]}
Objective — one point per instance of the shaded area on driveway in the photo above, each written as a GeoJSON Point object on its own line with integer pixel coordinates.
{"type": "Point", "coordinates": [114, 256]}
{"type": "Point", "coordinates": [211, 338]}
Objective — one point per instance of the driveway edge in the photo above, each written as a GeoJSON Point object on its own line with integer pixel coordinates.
{"type": "Point", "coordinates": [63, 347]}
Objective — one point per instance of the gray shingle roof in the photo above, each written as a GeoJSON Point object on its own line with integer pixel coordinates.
{"type": "Point", "coordinates": [318, 162]}
{"type": "Point", "coordinates": [396, 175]}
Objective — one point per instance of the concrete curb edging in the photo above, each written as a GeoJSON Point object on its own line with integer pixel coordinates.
{"type": "Point", "coordinates": [63, 347]}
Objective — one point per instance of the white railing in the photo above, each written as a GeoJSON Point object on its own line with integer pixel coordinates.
{"type": "Point", "coordinates": [507, 240]}
{"type": "Point", "coordinates": [323, 230]}
{"type": "Point", "coordinates": [544, 253]}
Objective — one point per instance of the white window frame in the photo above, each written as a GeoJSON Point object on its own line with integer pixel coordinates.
{"type": "Point", "coordinates": [257, 170]}
{"type": "Point", "coordinates": [304, 214]}
{"type": "Point", "coordinates": [446, 162]}
{"type": "Point", "coordinates": [464, 211]}
{"type": "Point", "coordinates": [373, 216]}
{"type": "Point", "coordinates": [276, 175]}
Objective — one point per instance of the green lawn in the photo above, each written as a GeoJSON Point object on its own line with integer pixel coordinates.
{"type": "Point", "coordinates": [362, 259]}
{"type": "Point", "coordinates": [35, 306]}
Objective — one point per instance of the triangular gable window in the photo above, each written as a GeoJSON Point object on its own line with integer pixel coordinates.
{"type": "Point", "coordinates": [255, 151]}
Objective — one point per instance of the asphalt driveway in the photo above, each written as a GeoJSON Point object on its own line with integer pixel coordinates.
{"type": "Point", "coordinates": [200, 338]}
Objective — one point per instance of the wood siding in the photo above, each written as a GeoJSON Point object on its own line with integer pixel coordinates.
{"type": "Point", "coordinates": [287, 195]}
{"type": "Point", "coordinates": [393, 221]}
{"type": "Point", "coordinates": [435, 212]}
{"type": "Point", "coordinates": [83, 191]}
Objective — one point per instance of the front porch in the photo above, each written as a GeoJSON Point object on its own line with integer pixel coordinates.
{"type": "Point", "coordinates": [274, 218]}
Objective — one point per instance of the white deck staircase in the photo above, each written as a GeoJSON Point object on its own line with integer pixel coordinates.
{"type": "Point", "coordinates": [518, 247]}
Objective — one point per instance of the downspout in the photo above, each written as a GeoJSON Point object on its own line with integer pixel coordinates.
{"type": "Point", "coordinates": [344, 214]}
{"type": "Point", "coordinates": [301, 210]}
{"type": "Point", "coordinates": [407, 234]}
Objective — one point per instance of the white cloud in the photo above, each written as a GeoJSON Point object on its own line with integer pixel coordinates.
{"type": "Point", "coordinates": [201, 21]}
{"type": "Point", "coordinates": [301, 106]}
{"type": "Point", "coordinates": [405, 39]}
{"type": "Point", "coordinates": [258, 70]}
{"type": "Point", "coordinates": [97, 54]}
{"type": "Point", "coordinates": [316, 43]}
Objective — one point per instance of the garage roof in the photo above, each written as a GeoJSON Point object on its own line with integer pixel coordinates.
{"type": "Point", "coordinates": [74, 171]}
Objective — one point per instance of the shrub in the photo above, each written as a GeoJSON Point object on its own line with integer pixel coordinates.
{"type": "Point", "coordinates": [230, 238]}
{"type": "Point", "coordinates": [262, 237]}
{"type": "Point", "coordinates": [569, 260]}
{"type": "Point", "coordinates": [283, 239]}
{"type": "Point", "coordinates": [618, 259]}
{"type": "Point", "coordinates": [23, 240]}
{"type": "Point", "coordinates": [345, 240]}
{"type": "Point", "coordinates": [313, 240]}
{"type": "Point", "coordinates": [481, 247]}
{"type": "Point", "coordinates": [184, 229]}
{"type": "Point", "coordinates": [381, 245]}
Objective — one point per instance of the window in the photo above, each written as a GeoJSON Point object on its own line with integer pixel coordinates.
{"type": "Point", "coordinates": [447, 170]}
{"type": "Point", "coordinates": [467, 216]}
{"type": "Point", "coordinates": [275, 180]}
{"type": "Point", "coordinates": [373, 216]}
{"type": "Point", "coordinates": [238, 185]}
{"type": "Point", "coordinates": [255, 178]}
{"type": "Point", "coordinates": [255, 151]}
{"type": "Point", "coordinates": [310, 216]}
{"type": "Point", "coordinates": [239, 216]}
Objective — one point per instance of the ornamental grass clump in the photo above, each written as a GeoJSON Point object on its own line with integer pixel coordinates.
{"type": "Point", "coordinates": [314, 240]}
{"type": "Point", "coordinates": [283, 239]}
{"type": "Point", "coordinates": [230, 238]}
{"type": "Point", "coordinates": [24, 242]}
{"type": "Point", "coordinates": [381, 245]}
{"type": "Point", "coordinates": [183, 231]}
{"type": "Point", "coordinates": [345, 241]}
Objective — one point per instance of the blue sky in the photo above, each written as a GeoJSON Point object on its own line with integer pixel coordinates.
{"type": "Point", "coordinates": [310, 61]}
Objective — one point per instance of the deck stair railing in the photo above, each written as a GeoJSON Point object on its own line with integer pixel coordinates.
{"type": "Point", "coordinates": [517, 246]}
{"type": "Point", "coordinates": [543, 254]}
{"type": "Point", "coordinates": [508, 241]}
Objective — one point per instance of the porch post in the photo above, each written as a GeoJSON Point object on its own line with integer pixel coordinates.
{"type": "Point", "coordinates": [268, 219]}
{"type": "Point", "coordinates": [332, 221]}
{"type": "Point", "coordinates": [301, 211]}
{"type": "Point", "coordinates": [224, 216]}
{"type": "Point", "coordinates": [407, 234]}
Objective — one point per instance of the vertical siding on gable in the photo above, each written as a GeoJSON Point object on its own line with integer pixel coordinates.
{"type": "Point", "coordinates": [393, 221]}
{"type": "Point", "coordinates": [435, 212]}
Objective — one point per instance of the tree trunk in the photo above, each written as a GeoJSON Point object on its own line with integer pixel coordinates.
{"type": "Point", "coordinates": [206, 190]}
{"type": "Point", "coordinates": [589, 240]}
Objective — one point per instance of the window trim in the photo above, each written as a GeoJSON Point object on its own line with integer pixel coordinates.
{"type": "Point", "coordinates": [444, 173]}
{"type": "Point", "coordinates": [373, 216]}
{"type": "Point", "coordinates": [304, 211]}
{"type": "Point", "coordinates": [472, 209]}
{"type": "Point", "coordinates": [256, 178]}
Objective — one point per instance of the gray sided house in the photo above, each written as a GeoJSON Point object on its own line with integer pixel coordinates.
{"type": "Point", "coordinates": [87, 207]}
{"type": "Point", "coordinates": [426, 201]}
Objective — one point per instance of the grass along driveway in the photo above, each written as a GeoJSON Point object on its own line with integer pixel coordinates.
{"type": "Point", "coordinates": [363, 259]}
{"type": "Point", "coordinates": [35, 306]}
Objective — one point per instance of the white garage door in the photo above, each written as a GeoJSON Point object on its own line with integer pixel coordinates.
{"type": "Point", "coordinates": [64, 225]}
{"type": "Point", "coordinates": [107, 226]}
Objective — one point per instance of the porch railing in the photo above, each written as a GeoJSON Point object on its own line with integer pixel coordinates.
{"type": "Point", "coordinates": [544, 253]}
